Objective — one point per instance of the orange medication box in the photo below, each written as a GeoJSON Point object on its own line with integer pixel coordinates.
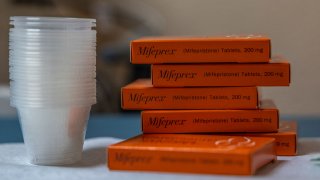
{"type": "Point", "coordinates": [180, 75]}
{"type": "Point", "coordinates": [141, 95]}
{"type": "Point", "coordinates": [286, 138]}
{"type": "Point", "coordinates": [192, 153]}
{"type": "Point", "coordinates": [242, 49]}
{"type": "Point", "coordinates": [264, 119]}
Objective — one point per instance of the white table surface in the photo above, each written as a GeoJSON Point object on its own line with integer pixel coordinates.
{"type": "Point", "coordinates": [13, 165]}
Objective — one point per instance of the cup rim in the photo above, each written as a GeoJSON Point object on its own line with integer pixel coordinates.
{"type": "Point", "coordinates": [50, 19]}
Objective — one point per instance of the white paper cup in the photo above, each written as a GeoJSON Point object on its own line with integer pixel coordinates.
{"type": "Point", "coordinates": [54, 136]}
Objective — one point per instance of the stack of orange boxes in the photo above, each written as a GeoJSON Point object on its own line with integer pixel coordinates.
{"type": "Point", "coordinates": [205, 86]}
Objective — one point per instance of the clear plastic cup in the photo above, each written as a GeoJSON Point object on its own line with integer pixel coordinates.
{"type": "Point", "coordinates": [49, 87]}
{"type": "Point", "coordinates": [18, 91]}
{"type": "Point", "coordinates": [41, 67]}
{"type": "Point", "coordinates": [54, 136]}
{"type": "Point", "coordinates": [22, 36]}
{"type": "Point", "coordinates": [21, 46]}
{"type": "Point", "coordinates": [31, 32]}
{"type": "Point", "coordinates": [47, 56]}
{"type": "Point", "coordinates": [55, 86]}
{"type": "Point", "coordinates": [75, 43]}
{"type": "Point", "coordinates": [72, 39]}
{"type": "Point", "coordinates": [60, 66]}
{"type": "Point", "coordinates": [51, 45]}
{"type": "Point", "coordinates": [29, 66]}
{"type": "Point", "coordinates": [51, 60]}
{"type": "Point", "coordinates": [68, 93]}
{"type": "Point", "coordinates": [57, 51]}
{"type": "Point", "coordinates": [31, 53]}
{"type": "Point", "coordinates": [37, 31]}
{"type": "Point", "coordinates": [53, 78]}
{"type": "Point", "coordinates": [52, 23]}
{"type": "Point", "coordinates": [52, 72]}
{"type": "Point", "coordinates": [73, 57]}
{"type": "Point", "coordinates": [52, 86]}
{"type": "Point", "coordinates": [55, 99]}
{"type": "Point", "coordinates": [53, 96]}
{"type": "Point", "coordinates": [47, 77]}
{"type": "Point", "coordinates": [40, 94]}
{"type": "Point", "coordinates": [34, 48]}
{"type": "Point", "coordinates": [53, 36]}
{"type": "Point", "coordinates": [52, 103]}
{"type": "Point", "coordinates": [46, 53]}
{"type": "Point", "coordinates": [84, 63]}
{"type": "Point", "coordinates": [52, 41]}
{"type": "Point", "coordinates": [53, 57]}
{"type": "Point", "coordinates": [55, 63]}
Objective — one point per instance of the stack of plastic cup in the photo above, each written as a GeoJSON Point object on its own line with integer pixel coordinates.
{"type": "Point", "coordinates": [52, 72]}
